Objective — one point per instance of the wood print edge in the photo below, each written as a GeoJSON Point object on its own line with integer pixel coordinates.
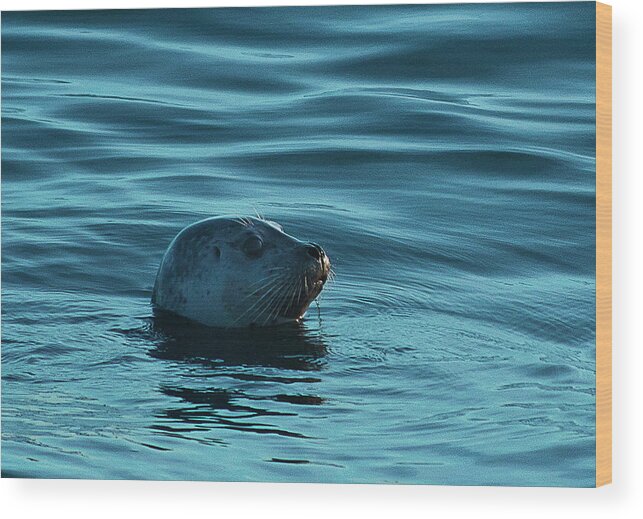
{"type": "Point", "coordinates": [603, 244]}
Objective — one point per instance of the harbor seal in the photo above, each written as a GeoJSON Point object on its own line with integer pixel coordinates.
{"type": "Point", "coordinates": [239, 272]}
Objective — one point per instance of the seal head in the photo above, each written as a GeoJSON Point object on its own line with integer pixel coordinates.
{"type": "Point", "coordinates": [239, 272]}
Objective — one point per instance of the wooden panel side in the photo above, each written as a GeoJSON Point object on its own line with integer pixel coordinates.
{"type": "Point", "coordinates": [603, 244]}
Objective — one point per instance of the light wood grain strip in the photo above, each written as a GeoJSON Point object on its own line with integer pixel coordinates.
{"type": "Point", "coordinates": [603, 244]}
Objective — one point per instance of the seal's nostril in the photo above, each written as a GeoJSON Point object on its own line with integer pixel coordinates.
{"type": "Point", "coordinates": [315, 251]}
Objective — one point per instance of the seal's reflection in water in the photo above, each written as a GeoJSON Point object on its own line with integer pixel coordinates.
{"type": "Point", "coordinates": [240, 379]}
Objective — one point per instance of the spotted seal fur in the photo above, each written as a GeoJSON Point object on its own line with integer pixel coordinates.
{"type": "Point", "coordinates": [239, 272]}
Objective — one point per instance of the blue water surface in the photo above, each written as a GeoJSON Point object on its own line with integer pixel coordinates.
{"type": "Point", "coordinates": [444, 156]}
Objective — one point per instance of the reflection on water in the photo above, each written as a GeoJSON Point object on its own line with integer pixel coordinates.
{"type": "Point", "coordinates": [227, 354]}
{"type": "Point", "coordinates": [290, 346]}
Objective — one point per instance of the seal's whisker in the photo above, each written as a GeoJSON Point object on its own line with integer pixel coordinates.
{"type": "Point", "coordinates": [269, 285]}
{"type": "Point", "coordinates": [270, 289]}
{"type": "Point", "coordinates": [273, 273]}
{"type": "Point", "coordinates": [259, 215]}
{"type": "Point", "coordinates": [265, 280]}
{"type": "Point", "coordinates": [274, 300]}
{"type": "Point", "coordinates": [294, 289]}
{"type": "Point", "coordinates": [288, 299]}
{"type": "Point", "coordinates": [273, 308]}
{"type": "Point", "coordinates": [249, 309]}
{"type": "Point", "coordinates": [297, 291]}
{"type": "Point", "coordinates": [243, 221]}
{"type": "Point", "coordinates": [282, 304]}
{"type": "Point", "coordinates": [260, 306]}
{"type": "Point", "coordinates": [276, 292]}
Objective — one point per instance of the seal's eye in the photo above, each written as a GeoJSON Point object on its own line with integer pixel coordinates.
{"type": "Point", "coordinates": [253, 247]}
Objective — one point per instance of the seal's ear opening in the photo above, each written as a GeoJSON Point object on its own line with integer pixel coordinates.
{"type": "Point", "coordinates": [216, 252]}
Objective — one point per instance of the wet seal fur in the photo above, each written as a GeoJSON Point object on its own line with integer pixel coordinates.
{"type": "Point", "coordinates": [239, 272]}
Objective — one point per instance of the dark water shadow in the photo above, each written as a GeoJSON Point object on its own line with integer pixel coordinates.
{"type": "Point", "coordinates": [287, 347]}
{"type": "Point", "coordinates": [245, 380]}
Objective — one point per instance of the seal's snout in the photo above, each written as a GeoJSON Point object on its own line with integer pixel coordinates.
{"type": "Point", "coordinates": [321, 268]}
{"type": "Point", "coordinates": [321, 259]}
{"type": "Point", "coordinates": [315, 251]}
